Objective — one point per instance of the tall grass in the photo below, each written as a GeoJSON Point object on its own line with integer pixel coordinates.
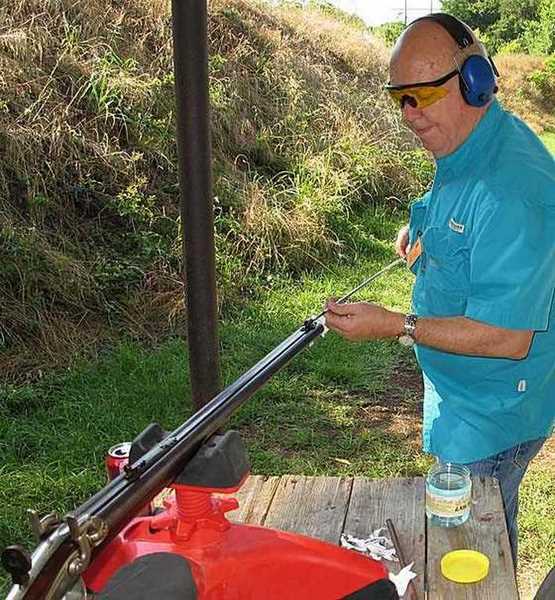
{"type": "Point", "coordinates": [303, 138]}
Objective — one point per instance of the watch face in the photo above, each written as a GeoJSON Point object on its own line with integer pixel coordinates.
{"type": "Point", "coordinates": [406, 340]}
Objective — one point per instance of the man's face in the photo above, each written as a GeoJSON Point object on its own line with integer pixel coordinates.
{"type": "Point", "coordinates": [425, 53]}
{"type": "Point", "coordinates": [440, 126]}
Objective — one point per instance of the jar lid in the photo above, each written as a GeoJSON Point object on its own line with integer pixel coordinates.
{"type": "Point", "coordinates": [464, 566]}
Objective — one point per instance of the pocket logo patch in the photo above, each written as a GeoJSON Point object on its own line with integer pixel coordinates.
{"type": "Point", "coordinates": [457, 227]}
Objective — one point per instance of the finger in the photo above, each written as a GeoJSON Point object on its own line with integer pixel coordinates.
{"type": "Point", "coordinates": [329, 301]}
{"type": "Point", "coordinates": [402, 241]}
{"type": "Point", "coordinates": [343, 310]}
{"type": "Point", "coordinates": [337, 323]}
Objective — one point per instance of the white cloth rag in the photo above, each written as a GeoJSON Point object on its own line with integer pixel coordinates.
{"type": "Point", "coordinates": [402, 579]}
{"type": "Point", "coordinates": [378, 547]}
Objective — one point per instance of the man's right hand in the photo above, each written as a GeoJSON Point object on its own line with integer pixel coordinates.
{"type": "Point", "coordinates": [402, 242]}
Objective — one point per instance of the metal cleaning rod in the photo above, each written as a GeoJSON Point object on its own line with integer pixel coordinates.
{"type": "Point", "coordinates": [388, 267]}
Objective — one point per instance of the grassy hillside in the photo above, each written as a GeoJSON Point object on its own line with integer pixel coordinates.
{"type": "Point", "coordinates": [89, 230]}
{"type": "Point", "coordinates": [527, 87]}
{"type": "Point", "coordinates": [303, 135]}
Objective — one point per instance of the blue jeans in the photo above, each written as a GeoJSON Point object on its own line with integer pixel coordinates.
{"type": "Point", "coordinates": [509, 467]}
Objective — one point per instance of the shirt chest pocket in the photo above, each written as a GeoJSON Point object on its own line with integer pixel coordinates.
{"type": "Point", "coordinates": [446, 255]}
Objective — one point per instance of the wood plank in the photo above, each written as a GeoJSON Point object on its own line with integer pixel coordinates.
{"type": "Point", "coordinates": [402, 501]}
{"type": "Point", "coordinates": [314, 506]}
{"type": "Point", "coordinates": [484, 531]}
{"type": "Point", "coordinates": [254, 497]}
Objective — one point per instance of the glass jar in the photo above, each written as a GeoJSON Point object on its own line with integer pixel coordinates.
{"type": "Point", "coordinates": [448, 494]}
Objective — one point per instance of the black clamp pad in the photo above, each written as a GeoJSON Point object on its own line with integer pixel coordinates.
{"type": "Point", "coordinates": [221, 462]}
{"type": "Point", "coordinates": [145, 441]}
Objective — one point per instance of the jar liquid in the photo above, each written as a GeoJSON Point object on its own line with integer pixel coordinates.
{"type": "Point", "coordinates": [448, 494]}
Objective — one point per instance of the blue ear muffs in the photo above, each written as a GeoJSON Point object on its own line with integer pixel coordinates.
{"type": "Point", "coordinates": [477, 80]}
{"type": "Point", "coordinates": [477, 73]}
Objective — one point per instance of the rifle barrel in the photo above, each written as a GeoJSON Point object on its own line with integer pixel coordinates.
{"type": "Point", "coordinates": [123, 497]}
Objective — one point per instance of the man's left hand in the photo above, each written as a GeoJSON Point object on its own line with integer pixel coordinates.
{"type": "Point", "coordinates": [361, 321]}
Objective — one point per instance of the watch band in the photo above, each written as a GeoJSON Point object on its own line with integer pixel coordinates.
{"type": "Point", "coordinates": [407, 337]}
{"type": "Point", "coordinates": [410, 325]}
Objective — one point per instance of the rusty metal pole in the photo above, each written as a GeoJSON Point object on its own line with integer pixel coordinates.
{"type": "Point", "coordinates": [190, 51]}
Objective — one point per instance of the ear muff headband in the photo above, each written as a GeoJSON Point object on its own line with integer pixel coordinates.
{"type": "Point", "coordinates": [477, 73]}
{"type": "Point", "coordinates": [458, 30]}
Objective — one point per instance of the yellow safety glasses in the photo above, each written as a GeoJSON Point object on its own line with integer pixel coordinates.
{"type": "Point", "coordinates": [420, 95]}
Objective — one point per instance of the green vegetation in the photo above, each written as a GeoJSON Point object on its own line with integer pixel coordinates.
{"type": "Point", "coordinates": [509, 25]}
{"type": "Point", "coordinates": [548, 139]}
{"type": "Point", "coordinates": [389, 32]}
{"type": "Point", "coordinates": [543, 81]}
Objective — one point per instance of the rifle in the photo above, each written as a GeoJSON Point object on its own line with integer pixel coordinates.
{"type": "Point", "coordinates": [67, 548]}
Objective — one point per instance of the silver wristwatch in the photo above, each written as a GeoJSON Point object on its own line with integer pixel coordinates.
{"type": "Point", "coordinates": [407, 337]}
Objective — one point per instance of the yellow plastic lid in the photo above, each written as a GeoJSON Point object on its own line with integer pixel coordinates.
{"type": "Point", "coordinates": [464, 566]}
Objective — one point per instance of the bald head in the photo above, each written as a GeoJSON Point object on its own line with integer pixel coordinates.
{"type": "Point", "coordinates": [424, 52]}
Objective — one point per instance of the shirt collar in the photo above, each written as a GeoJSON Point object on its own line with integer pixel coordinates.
{"type": "Point", "coordinates": [468, 152]}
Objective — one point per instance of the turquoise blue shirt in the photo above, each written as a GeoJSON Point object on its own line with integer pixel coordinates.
{"type": "Point", "coordinates": [487, 229]}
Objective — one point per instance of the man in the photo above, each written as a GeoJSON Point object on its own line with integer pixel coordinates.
{"type": "Point", "coordinates": [481, 244]}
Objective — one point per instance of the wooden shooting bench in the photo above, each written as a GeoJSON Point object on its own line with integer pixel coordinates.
{"type": "Point", "coordinates": [326, 507]}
